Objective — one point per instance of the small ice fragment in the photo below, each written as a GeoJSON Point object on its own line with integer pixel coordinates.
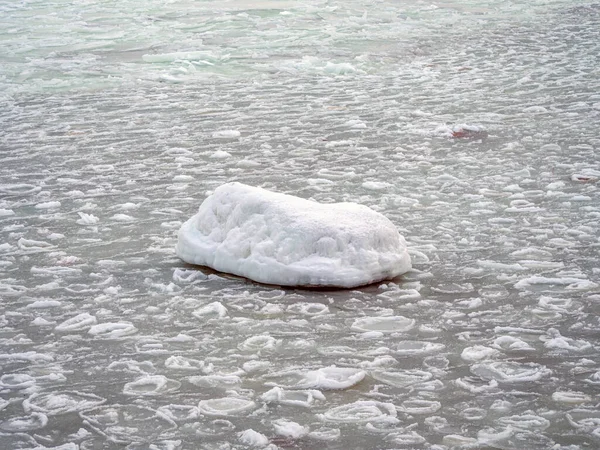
{"type": "Point", "coordinates": [289, 429]}
{"type": "Point", "coordinates": [48, 205]}
{"type": "Point", "coordinates": [478, 352]}
{"type": "Point", "coordinates": [87, 219]}
{"type": "Point", "coordinates": [56, 403]}
{"type": "Point", "coordinates": [327, 378]}
{"type": "Point", "coordinates": [226, 134]}
{"type": "Point", "coordinates": [177, 362]}
{"type": "Point", "coordinates": [402, 378]}
{"type": "Point", "coordinates": [376, 185]}
{"type": "Point", "coordinates": [361, 412]}
{"type": "Point", "coordinates": [525, 422]}
{"type": "Point", "coordinates": [420, 406]}
{"type": "Point", "coordinates": [149, 385]}
{"type": "Point", "coordinates": [456, 440]}
{"type": "Point", "coordinates": [220, 154]}
{"type": "Point", "coordinates": [214, 310]}
{"type": "Point", "coordinates": [16, 381]}
{"type": "Point", "coordinates": [555, 341]}
{"type": "Point", "coordinates": [123, 218]}
{"type": "Point", "coordinates": [112, 330]}
{"type": "Point", "coordinates": [511, 343]}
{"type": "Point", "coordinates": [569, 397]}
{"type": "Point", "coordinates": [259, 343]}
{"type": "Point", "coordinates": [303, 398]}
{"type": "Point", "coordinates": [510, 372]}
{"type": "Point", "coordinates": [34, 421]}
{"type": "Point", "coordinates": [226, 406]}
{"type": "Point", "coordinates": [80, 322]}
{"type": "Point", "coordinates": [251, 438]}
{"type": "Point", "coordinates": [385, 324]}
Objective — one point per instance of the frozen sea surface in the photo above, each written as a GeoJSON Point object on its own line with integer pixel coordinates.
{"type": "Point", "coordinates": [472, 126]}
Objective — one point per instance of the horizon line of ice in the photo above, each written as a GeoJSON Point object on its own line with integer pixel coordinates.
{"type": "Point", "coordinates": [281, 239]}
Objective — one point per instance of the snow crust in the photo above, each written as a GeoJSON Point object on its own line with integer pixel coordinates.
{"type": "Point", "coordinates": [280, 239]}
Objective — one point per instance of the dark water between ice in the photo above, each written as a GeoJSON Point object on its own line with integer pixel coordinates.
{"type": "Point", "coordinates": [118, 118]}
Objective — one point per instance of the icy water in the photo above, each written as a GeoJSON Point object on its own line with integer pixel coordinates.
{"type": "Point", "coordinates": [117, 118]}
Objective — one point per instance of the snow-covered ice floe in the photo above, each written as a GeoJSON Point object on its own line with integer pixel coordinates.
{"type": "Point", "coordinates": [280, 239]}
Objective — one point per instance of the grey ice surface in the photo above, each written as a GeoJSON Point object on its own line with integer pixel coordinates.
{"type": "Point", "coordinates": [472, 126]}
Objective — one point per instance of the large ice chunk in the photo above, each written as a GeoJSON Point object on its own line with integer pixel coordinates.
{"type": "Point", "coordinates": [285, 240]}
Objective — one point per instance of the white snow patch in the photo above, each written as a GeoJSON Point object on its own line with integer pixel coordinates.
{"type": "Point", "coordinates": [280, 239]}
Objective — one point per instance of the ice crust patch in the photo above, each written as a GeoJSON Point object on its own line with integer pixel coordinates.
{"type": "Point", "coordinates": [275, 238]}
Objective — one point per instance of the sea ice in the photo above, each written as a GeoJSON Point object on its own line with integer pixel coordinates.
{"type": "Point", "coordinates": [386, 324]}
{"type": "Point", "coordinates": [361, 412]}
{"type": "Point", "coordinates": [289, 429]}
{"type": "Point", "coordinates": [226, 406]}
{"type": "Point", "coordinates": [281, 239]}
{"type": "Point", "coordinates": [330, 378]}
{"type": "Point", "coordinates": [151, 385]}
{"type": "Point", "coordinates": [292, 397]}
{"type": "Point", "coordinates": [253, 438]}
{"type": "Point", "coordinates": [52, 404]}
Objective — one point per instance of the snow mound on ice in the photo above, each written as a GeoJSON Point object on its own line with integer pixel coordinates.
{"type": "Point", "coordinates": [280, 239]}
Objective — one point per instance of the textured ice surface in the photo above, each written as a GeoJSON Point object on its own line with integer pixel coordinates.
{"type": "Point", "coordinates": [281, 239]}
{"type": "Point", "coordinates": [112, 109]}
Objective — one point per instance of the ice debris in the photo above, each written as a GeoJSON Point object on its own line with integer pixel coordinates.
{"type": "Point", "coordinates": [280, 239]}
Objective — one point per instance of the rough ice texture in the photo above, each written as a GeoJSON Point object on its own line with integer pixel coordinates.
{"type": "Point", "coordinates": [285, 240]}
